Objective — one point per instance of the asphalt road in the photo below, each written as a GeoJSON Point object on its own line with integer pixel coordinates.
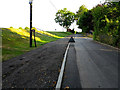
{"type": "Point", "coordinates": [71, 76]}
{"type": "Point", "coordinates": [91, 65]}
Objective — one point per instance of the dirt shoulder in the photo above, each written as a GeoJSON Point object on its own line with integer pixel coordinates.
{"type": "Point", "coordinates": [38, 68]}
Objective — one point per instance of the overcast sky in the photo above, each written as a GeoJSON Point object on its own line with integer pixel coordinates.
{"type": "Point", "coordinates": [16, 13]}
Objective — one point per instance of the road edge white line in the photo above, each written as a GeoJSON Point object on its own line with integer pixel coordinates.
{"type": "Point", "coordinates": [58, 85]}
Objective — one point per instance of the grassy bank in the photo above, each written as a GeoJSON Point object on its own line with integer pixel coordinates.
{"type": "Point", "coordinates": [61, 34]}
{"type": "Point", "coordinates": [16, 41]}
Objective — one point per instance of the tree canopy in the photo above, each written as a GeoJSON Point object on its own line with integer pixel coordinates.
{"type": "Point", "coordinates": [85, 22]}
{"type": "Point", "coordinates": [106, 19]}
{"type": "Point", "coordinates": [64, 17]}
{"type": "Point", "coordinates": [81, 10]}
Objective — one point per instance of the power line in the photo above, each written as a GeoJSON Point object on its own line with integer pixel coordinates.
{"type": "Point", "coordinates": [53, 4]}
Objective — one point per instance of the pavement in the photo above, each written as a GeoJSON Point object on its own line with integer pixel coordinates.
{"type": "Point", "coordinates": [91, 65]}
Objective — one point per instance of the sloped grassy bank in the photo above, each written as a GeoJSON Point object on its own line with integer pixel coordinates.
{"type": "Point", "coordinates": [16, 41]}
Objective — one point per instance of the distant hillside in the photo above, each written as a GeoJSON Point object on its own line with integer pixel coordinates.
{"type": "Point", "coordinates": [16, 41]}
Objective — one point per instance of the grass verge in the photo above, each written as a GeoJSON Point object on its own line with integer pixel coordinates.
{"type": "Point", "coordinates": [16, 41]}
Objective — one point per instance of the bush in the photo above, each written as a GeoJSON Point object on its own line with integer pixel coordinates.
{"type": "Point", "coordinates": [27, 28]}
{"type": "Point", "coordinates": [20, 28]}
{"type": "Point", "coordinates": [107, 24]}
{"type": "Point", "coordinates": [85, 22]}
{"type": "Point", "coordinates": [11, 27]}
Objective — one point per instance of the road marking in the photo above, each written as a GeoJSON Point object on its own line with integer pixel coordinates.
{"type": "Point", "coordinates": [58, 85]}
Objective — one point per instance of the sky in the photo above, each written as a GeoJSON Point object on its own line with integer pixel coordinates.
{"type": "Point", "coordinates": [16, 13]}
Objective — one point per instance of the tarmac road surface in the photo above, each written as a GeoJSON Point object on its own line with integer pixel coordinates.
{"type": "Point", "coordinates": [91, 65]}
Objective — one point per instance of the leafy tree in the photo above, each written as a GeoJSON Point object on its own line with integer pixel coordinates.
{"type": "Point", "coordinates": [107, 22]}
{"type": "Point", "coordinates": [65, 18]}
{"type": "Point", "coordinates": [81, 11]}
{"type": "Point", "coordinates": [85, 22]}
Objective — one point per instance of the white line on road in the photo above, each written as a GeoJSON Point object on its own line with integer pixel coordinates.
{"type": "Point", "coordinates": [58, 85]}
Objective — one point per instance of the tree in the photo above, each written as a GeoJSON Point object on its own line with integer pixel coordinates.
{"type": "Point", "coordinates": [64, 17]}
{"type": "Point", "coordinates": [85, 22]}
{"type": "Point", "coordinates": [81, 11]}
{"type": "Point", "coordinates": [106, 23]}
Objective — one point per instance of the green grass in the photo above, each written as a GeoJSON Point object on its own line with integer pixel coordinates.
{"type": "Point", "coordinates": [14, 44]}
{"type": "Point", "coordinates": [61, 34]}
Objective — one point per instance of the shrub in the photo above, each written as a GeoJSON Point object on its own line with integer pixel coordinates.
{"type": "Point", "coordinates": [11, 27]}
{"type": "Point", "coordinates": [27, 28]}
{"type": "Point", "coordinates": [107, 24]}
{"type": "Point", "coordinates": [20, 28]}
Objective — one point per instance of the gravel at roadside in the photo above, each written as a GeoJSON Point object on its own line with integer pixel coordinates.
{"type": "Point", "coordinates": [38, 68]}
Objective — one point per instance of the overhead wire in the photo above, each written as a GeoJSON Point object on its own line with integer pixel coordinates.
{"type": "Point", "coordinates": [53, 5]}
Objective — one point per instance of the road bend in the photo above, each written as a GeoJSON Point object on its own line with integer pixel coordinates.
{"type": "Point", "coordinates": [91, 65]}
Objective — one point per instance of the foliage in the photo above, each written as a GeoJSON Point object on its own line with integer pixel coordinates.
{"type": "Point", "coordinates": [81, 11]}
{"type": "Point", "coordinates": [65, 18]}
{"type": "Point", "coordinates": [104, 20]}
{"type": "Point", "coordinates": [85, 22]}
{"type": "Point", "coordinates": [27, 28]}
{"type": "Point", "coordinates": [20, 28]}
{"type": "Point", "coordinates": [106, 23]}
{"type": "Point", "coordinates": [11, 27]}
